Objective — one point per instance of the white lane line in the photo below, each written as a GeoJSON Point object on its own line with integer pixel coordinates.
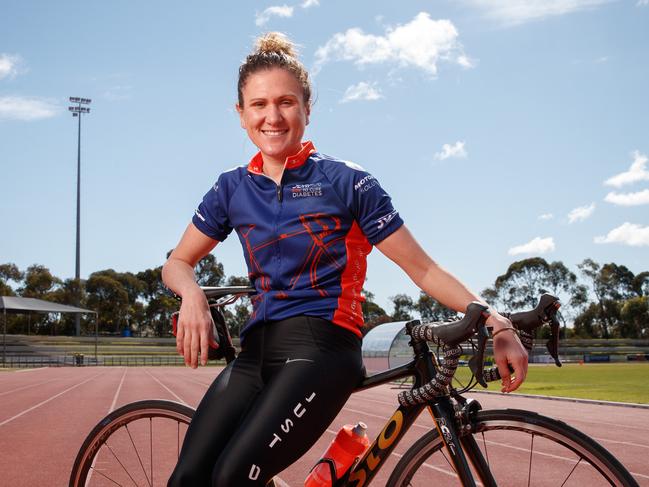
{"type": "Point", "coordinates": [29, 370]}
{"type": "Point", "coordinates": [47, 400]}
{"type": "Point", "coordinates": [27, 387]}
{"type": "Point", "coordinates": [628, 443]}
{"type": "Point", "coordinates": [169, 390]}
{"type": "Point", "coordinates": [119, 388]}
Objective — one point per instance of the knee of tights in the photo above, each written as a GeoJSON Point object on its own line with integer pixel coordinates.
{"type": "Point", "coordinates": [183, 477]}
{"type": "Point", "coordinates": [224, 476]}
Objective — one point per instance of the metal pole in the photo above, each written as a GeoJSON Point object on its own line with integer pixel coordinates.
{"type": "Point", "coordinates": [4, 338]}
{"type": "Point", "coordinates": [77, 271]}
{"type": "Point", "coordinates": [96, 333]}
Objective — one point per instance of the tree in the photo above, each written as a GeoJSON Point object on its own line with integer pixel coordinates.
{"type": "Point", "coordinates": [160, 303]}
{"type": "Point", "coordinates": [431, 310]}
{"type": "Point", "coordinates": [9, 272]}
{"type": "Point", "coordinates": [38, 282]}
{"type": "Point", "coordinates": [209, 272]}
{"type": "Point", "coordinates": [109, 298]}
{"type": "Point", "coordinates": [635, 318]}
{"type": "Point", "coordinates": [611, 284]}
{"type": "Point", "coordinates": [403, 307]}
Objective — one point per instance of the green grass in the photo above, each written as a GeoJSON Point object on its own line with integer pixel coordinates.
{"type": "Point", "coordinates": [608, 382]}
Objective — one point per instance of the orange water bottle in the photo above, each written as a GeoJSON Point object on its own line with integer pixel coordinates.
{"type": "Point", "coordinates": [349, 444]}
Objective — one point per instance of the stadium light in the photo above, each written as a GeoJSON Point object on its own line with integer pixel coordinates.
{"type": "Point", "coordinates": [76, 112]}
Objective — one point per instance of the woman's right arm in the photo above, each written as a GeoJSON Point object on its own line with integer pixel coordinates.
{"type": "Point", "coordinates": [194, 331]}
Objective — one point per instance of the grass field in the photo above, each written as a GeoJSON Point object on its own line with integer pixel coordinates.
{"type": "Point", "coordinates": [624, 382]}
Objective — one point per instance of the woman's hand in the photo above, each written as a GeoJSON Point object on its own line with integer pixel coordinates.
{"type": "Point", "coordinates": [195, 330]}
{"type": "Point", "coordinates": [508, 349]}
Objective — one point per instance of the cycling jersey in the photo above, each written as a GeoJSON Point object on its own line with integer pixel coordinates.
{"type": "Point", "coordinates": [305, 240]}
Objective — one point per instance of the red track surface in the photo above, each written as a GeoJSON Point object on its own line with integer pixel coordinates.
{"type": "Point", "coordinates": [45, 415]}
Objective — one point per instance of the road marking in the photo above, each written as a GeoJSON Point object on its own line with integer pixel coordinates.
{"type": "Point", "coordinates": [46, 401]}
{"type": "Point", "coordinates": [119, 388]}
{"type": "Point", "coordinates": [27, 387]}
{"type": "Point", "coordinates": [169, 390]}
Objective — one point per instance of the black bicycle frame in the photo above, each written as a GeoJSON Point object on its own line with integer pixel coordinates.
{"type": "Point", "coordinates": [423, 368]}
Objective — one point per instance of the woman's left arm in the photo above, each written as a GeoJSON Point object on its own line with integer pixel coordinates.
{"type": "Point", "coordinates": [402, 248]}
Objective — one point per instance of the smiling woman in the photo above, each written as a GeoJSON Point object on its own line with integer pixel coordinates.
{"type": "Point", "coordinates": [306, 222]}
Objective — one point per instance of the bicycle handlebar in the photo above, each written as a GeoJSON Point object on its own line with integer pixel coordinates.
{"type": "Point", "coordinates": [449, 336]}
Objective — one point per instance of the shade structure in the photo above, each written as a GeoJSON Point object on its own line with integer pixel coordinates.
{"type": "Point", "coordinates": [386, 346]}
{"type": "Point", "coordinates": [15, 304]}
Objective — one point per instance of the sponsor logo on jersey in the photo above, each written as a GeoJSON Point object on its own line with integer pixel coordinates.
{"type": "Point", "coordinates": [384, 220]}
{"type": "Point", "coordinates": [366, 183]}
{"type": "Point", "coordinates": [306, 190]}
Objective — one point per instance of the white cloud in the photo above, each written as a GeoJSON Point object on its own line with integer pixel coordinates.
{"type": "Point", "coordinates": [421, 43]}
{"type": "Point", "coordinates": [275, 11]}
{"type": "Point", "coordinates": [536, 246]}
{"type": "Point", "coordinates": [628, 199]}
{"type": "Point", "coordinates": [22, 108]}
{"type": "Point", "coordinates": [546, 216]}
{"type": "Point", "coordinates": [637, 172]}
{"type": "Point", "coordinates": [628, 234]}
{"type": "Point", "coordinates": [512, 12]}
{"type": "Point", "coordinates": [642, 3]}
{"type": "Point", "coordinates": [9, 65]}
{"type": "Point", "coordinates": [456, 150]}
{"type": "Point", "coordinates": [362, 91]}
{"type": "Point", "coordinates": [581, 213]}
{"type": "Point", "coordinates": [310, 3]}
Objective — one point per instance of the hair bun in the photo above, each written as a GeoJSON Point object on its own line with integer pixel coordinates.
{"type": "Point", "coordinates": [276, 42]}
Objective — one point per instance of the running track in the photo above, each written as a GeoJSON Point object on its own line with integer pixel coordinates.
{"type": "Point", "coordinates": [46, 413]}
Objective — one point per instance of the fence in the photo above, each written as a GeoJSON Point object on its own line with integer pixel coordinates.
{"type": "Point", "coordinates": [80, 360]}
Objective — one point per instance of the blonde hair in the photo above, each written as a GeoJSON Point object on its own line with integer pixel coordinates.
{"type": "Point", "coordinates": [274, 50]}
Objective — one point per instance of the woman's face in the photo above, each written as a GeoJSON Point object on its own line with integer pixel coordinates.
{"type": "Point", "coordinates": [274, 113]}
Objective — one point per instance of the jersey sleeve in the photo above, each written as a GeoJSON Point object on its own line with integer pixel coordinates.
{"type": "Point", "coordinates": [211, 216]}
{"type": "Point", "coordinates": [372, 207]}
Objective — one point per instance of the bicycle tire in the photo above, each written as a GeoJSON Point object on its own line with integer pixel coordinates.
{"type": "Point", "coordinates": [602, 469]}
{"type": "Point", "coordinates": [109, 427]}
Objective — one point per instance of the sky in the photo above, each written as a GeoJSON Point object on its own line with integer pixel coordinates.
{"type": "Point", "coordinates": [502, 129]}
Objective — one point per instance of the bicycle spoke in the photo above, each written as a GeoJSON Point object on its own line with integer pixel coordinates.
{"type": "Point", "coordinates": [573, 469]}
{"type": "Point", "coordinates": [106, 476]}
{"type": "Point", "coordinates": [138, 456]}
{"type": "Point", "coordinates": [121, 464]}
{"type": "Point", "coordinates": [448, 461]}
{"type": "Point", "coordinates": [486, 452]}
{"type": "Point", "coordinates": [529, 472]}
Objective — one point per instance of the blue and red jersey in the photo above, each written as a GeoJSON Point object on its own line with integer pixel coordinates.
{"type": "Point", "coordinates": [306, 240]}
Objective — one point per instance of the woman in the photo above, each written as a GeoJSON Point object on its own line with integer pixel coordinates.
{"type": "Point", "coordinates": [306, 222]}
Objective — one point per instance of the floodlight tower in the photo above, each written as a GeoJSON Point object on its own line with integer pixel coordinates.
{"type": "Point", "coordinates": [77, 110]}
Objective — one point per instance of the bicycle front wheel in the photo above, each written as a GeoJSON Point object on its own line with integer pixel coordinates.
{"type": "Point", "coordinates": [521, 448]}
{"type": "Point", "coordinates": [137, 444]}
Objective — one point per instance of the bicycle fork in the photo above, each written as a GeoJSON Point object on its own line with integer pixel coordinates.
{"type": "Point", "coordinates": [461, 444]}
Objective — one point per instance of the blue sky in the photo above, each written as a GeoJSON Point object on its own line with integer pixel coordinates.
{"type": "Point", "coordinates": [502, 129]}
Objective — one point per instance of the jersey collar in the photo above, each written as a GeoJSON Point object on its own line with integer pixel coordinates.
{"type": "Point", "coordinates": [256, 165]}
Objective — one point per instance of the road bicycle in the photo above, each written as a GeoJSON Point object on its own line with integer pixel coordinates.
{"type": "Point", "coordinates": [139, 443]}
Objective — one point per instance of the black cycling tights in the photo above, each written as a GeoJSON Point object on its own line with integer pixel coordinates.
{"type": "Point", "coordinates": [268, 406]}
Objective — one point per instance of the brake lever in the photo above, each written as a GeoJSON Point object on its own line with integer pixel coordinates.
{"type": "Point", "coordinates": [476, 362]}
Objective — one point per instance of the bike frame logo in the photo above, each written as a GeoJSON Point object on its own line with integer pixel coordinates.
{"type": "Point", "coordinates": [378, 451]}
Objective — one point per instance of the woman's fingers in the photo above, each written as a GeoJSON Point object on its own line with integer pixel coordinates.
{"type": "Point", "coordinates": [180, 337]}
{"type": "Point", "coordinates": [508, 350]}
{"type": "Point", "coordinates": [195, 347]}
{"type": "Point", "coordinates": [204, 347]}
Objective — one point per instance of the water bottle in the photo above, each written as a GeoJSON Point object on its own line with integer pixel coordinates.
{"type": "Point", "coordinates": [349, 444]}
